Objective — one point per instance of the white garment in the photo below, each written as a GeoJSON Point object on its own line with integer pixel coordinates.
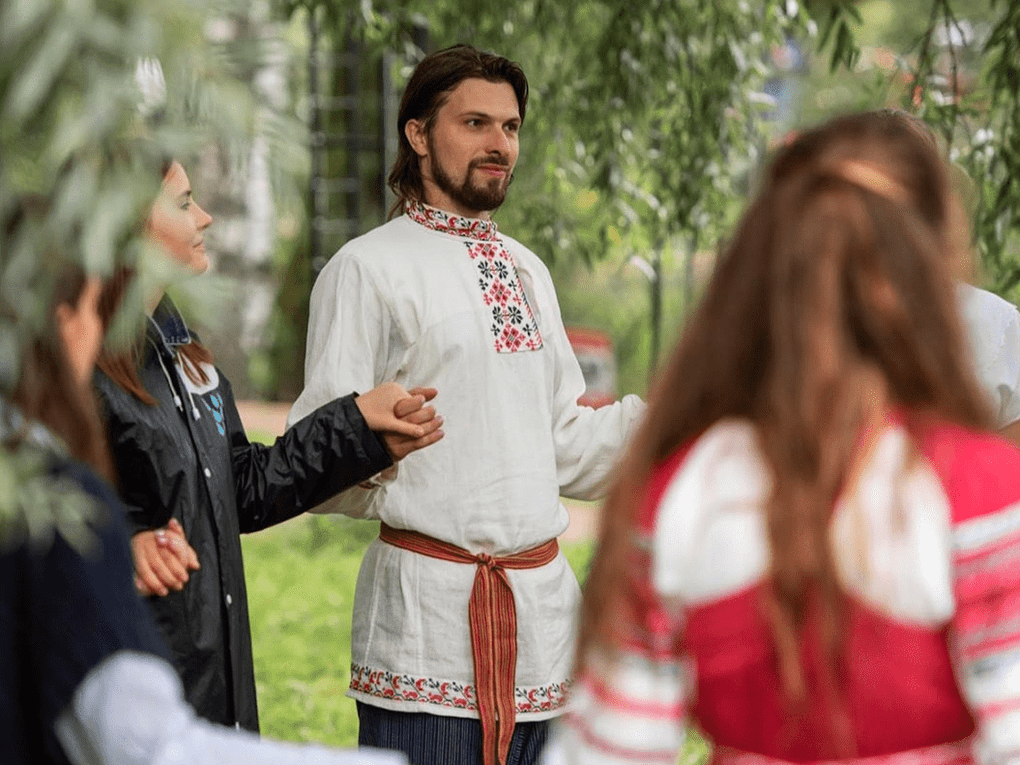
{"type": "Point", "coordinates": [890, 538]}
{"type": "Point", "coordinates": [130, 710]}
{"type": "Point", "coordinates": [896, 548]}
{"type": "Point", "coordinates": [992, 326]}
{"type": "Point", "coordinates": [403, 303]}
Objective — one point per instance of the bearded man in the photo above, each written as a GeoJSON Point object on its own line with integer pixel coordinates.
{"type": "Point", "coordinates": [464, 615]}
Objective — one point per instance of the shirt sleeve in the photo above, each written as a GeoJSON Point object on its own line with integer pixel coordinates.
{"type": "Point", "coordinates": [985, 630]}
{"type": "Point", "coordinates": [992, 327]}
{"type": "Point", "coordinates": [349, 332]}
{"type": "Point", "coordinates": [588, 441]}
{"type": "Point", "coordinates": [131, 711]}
{"type": "Point", "coordinates": [1009, 388]}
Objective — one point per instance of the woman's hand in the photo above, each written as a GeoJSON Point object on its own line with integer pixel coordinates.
{"type": "Point", "coordinates": [163, 558]}
{"type": "Point", "coordinates": [401, 417]}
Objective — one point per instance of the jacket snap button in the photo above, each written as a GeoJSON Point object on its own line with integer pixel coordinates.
{"type": "Point", "coordinates": [229, 599]}
{"type": "Point", "coordinates": [208, 473]}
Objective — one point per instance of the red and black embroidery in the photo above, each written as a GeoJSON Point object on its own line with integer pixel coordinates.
{"type": "Point", "coordinates": [395, 686]}
{"type": "Point", "coordinates": [448, 223]}
{"type": "Point", "coordinates": [512, 322]}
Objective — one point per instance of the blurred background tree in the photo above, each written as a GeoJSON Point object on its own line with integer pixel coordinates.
{"type": "Point", "coordinates": [647, 123]}
{"type": "Point", "coordinates": [70, 185]}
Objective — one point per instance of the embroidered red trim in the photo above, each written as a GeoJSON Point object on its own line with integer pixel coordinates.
{"type": "Point", "coordinates": [448, 223]}
{"type": "Point", "coordinates": [492, 615]}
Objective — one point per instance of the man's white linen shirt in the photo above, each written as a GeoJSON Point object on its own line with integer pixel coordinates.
{"type": "Point", "coordinates": [405, 302]}
{"type": "Point", "coordinates": [992, 328]}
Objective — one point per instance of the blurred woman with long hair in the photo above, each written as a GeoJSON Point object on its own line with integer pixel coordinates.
{"type": "Point", "coordinates": [810, 552]}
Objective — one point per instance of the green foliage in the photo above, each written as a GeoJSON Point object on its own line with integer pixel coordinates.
{"type": "Point", "coordinates": [34, 506]}
{"type": "Point", "coordinates": [642, 114]}
{"type": "Point", "coordinates": [301, 594]}
{"type": "Point", "coordinates": [992, 156]}
{"type": "Point", "coordinates": [643, 120]}
{"type": "Point", "coordinates": [615, 298]}
{"type": "Point", "coordinates": [65, 100]}
{"type": "Point", "coordinates": [283, 362]}
{"type": "Point", "coordinates": [838, 28]}
{"type": "Point", "coordinates": [72, 181]}
{"type": "Point", "coordinates": [956, 67]}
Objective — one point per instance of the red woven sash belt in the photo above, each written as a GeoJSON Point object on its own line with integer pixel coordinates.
{"type": "Point", "coordinates": [493, 619]}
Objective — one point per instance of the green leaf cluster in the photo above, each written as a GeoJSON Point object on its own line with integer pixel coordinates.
{"type": "Point", "coordinates": [643, 121]}
{"type": "Point", "coordinates": [960, 72]}
{"type": "Point", "coordinates": [66, 94]}
{"type": "Point", "coordinates": [34, 506]}
{"type": "Point", "coordinates": [992, 155]}
{"type": "Point", "coordinates": [74, 176]}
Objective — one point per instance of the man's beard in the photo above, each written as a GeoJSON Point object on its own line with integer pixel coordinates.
{"type": "Point", "coordinates": [478, 197]}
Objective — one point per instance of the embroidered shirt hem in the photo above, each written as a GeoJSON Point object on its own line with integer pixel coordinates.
{"type": "Point", "coordinates": [400, 692]}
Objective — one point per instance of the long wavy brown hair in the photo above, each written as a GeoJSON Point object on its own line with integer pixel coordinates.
{"type": "Point", "coordinates": [832, 295]}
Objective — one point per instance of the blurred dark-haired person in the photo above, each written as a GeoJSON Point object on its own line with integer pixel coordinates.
{"type": "Point", "coordinates": [465, 609]}
{"type": "Point", "coordinates": [810, 552]}
{"type": "Point", "coordinates": [85, 676]}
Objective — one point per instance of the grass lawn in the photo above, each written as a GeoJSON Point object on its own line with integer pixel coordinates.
{"type": "Point", "coordinates": [301, 578]}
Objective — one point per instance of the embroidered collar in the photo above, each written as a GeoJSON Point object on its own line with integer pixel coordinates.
{"type": "Point", "coordinates": [169, 324]}
{"type": "Point", "coordinates": [448, 223]}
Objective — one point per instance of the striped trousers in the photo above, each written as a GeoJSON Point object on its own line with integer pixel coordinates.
{"type": "Point", "coordinates": [436, 740]}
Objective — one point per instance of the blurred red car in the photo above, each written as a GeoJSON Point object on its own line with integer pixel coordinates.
{"type": "Point", "coordinates": [594, 351]}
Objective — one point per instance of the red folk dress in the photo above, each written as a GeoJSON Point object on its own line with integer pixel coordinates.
{"type": "Point", "coordinates": [926, 544]}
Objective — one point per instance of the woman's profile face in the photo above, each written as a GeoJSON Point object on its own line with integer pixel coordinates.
{"type": "Point", "coordinates": [177, 222]}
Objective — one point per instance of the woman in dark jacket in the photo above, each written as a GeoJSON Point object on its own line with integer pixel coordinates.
{"type": "Point", "coordinates": [181, 453]}
{"type": "Point", "coordinates": [84, 676]}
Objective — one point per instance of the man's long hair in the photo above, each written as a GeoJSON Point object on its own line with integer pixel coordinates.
{"type": "Point", "coordinates": [833, 290]}
{"type": "Point", "coordinates": [426, 92]}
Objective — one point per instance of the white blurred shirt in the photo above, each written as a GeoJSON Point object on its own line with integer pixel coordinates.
{"type": "Point", "coordinates": [992, 326]}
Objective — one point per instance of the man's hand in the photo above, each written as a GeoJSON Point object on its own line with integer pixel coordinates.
{"type": "Point", "coordinates": [401, 417]}
{"type": "Point", "coordinates": [163, 558]}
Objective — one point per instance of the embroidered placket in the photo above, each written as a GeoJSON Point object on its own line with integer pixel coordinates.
{"type": "Point", "coordinates": [512, 322]}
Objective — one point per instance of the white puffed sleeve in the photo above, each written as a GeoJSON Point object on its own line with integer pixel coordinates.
{"type": "Point", "coordinates": [350, 332]}
{"type": "Point", "coordinates": [130, 710]}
